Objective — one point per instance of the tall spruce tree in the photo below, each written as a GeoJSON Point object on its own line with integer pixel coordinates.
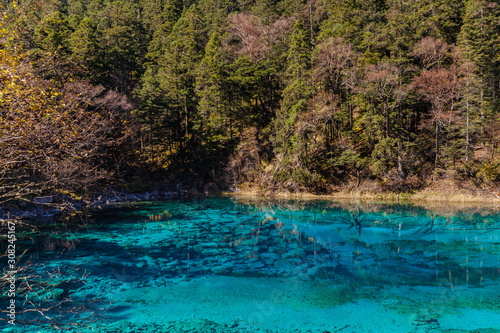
{"type": "Point", "coordinates": [290, 141]}
{"type": "Point", "coordinates": [52, 42]}
{"type": "Point", "coordinates": [215, 119]}
{"type": "Point", "coordinates": [478, 41]}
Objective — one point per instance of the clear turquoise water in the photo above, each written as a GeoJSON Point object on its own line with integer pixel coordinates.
{"type": "Point", "coordinates": [228, 265]}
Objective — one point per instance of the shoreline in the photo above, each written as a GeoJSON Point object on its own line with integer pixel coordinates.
{"type": "Point", "coordinates": [423, 196]}
{"type": "Point", "coordinates": [436, 203]}
{"type": "Point", "coordinates": [48, 209]}
{"type": "Point", "coordinates": [39, 215]}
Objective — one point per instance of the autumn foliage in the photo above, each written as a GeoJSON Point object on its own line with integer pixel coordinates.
{"type": "Point", "coordinates": [50, 140]}
{"type": "Point", "coordinates": [282, 95]}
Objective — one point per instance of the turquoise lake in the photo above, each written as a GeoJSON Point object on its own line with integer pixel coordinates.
{"type": "Point", "coordinates": [249, 265]}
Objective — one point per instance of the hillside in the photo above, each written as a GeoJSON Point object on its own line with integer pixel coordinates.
{"type": "Point", "coordinates": [290, 95]}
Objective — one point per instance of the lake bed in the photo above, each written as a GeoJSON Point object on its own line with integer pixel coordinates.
{"type": "Point", "coordinates": [249, 265]}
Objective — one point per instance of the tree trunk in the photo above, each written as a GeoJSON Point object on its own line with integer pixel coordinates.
{"type": "Point", "coordinates": [186, 115]}
{"type": "Point", "coordinates": [437, 145]}
{"type": "Point", "coordinates": [401, 171]}
{"type": "Point", "coordinates": [467, 144]}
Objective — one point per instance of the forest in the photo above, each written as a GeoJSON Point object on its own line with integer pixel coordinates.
{"type": "Point", "coordinates": [292, 95]}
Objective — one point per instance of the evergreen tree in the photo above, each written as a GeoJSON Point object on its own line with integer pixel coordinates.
{"type": "Point", "coordinates": [125, 43]}
{"type": "Point", "coordinates": [338, 88]}
{"type": "Point", "coordinates": [169, 101]}
{"type": "Point", "coordinates": [215, 12]}
{"type": "Point", "coordinates": [86, 51]}
{"type": "Point", "coordinates": [289, 139]}
{"type": "Point", "coordinates": [184, 51]}
{"type": "Point", "coordinates": [160, 25]}
{"type": "Point", "coordinates": [214, 89]}
{"type": "Point", "coordinates": [215, 120]}
{"type": "Point", "coordinates": [478, 41]}
{"type": "Point", "coordinates": [52, 41]}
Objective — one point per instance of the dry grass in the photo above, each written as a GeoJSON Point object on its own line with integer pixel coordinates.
{"type": "Point", "coordinates": [436, 193]}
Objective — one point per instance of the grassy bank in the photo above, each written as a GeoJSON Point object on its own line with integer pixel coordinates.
{"type": "Point", "coordinates": [431, 194]}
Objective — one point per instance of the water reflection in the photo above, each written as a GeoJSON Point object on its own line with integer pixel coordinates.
{"type": "Point", "coordinates": [275, 255]}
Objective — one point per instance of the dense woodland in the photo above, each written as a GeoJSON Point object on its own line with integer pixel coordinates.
{"type": "Point", "coordinates": [292, 95]}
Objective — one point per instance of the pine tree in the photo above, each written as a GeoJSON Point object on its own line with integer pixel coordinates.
{"type": "Point", "coordinates": [160, 26]}
{"type": "Point", "coordinates": [289, 139]}
{"type": "Point", "coordinates": [169, 102]}
{"type": "Point", "coordinates": [185, 47]}
{"type": "Point", "coordinates": [478, 41]}
{"type": "Point", "coordinates": [86, 51]}
{"type": "Point", "coordinates": [52, 41]}
{"type": "Point", "coordinates": [214, 90]}
{"type": "Point", "coordinates": [215, 119]}
{"type": "Point", "coordinates": [215, 12]}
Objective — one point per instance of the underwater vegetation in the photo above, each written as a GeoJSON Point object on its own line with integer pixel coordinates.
{"type": "Point", "coordinates": [224, 265]}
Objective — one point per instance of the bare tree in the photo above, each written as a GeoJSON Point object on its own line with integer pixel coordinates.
{"type": "Point", "coordinates": [54, 139]}
{"type": "Point", "coordinates": [256, 39]}
{"type": "Point", "coordinates": [333, 59]}
{"type": "Point", "coordinates": [382, 87]}
{"type": "Point", "coordinates": [430, 51]}
{"type": "Point", "coordinates": [441, 88]}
